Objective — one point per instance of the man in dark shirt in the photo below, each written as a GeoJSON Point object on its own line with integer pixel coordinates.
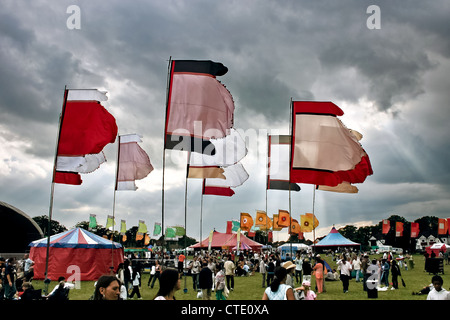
{"type": "Point", "coordinates": [10, 279]}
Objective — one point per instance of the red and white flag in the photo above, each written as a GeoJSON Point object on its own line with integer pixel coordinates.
{"type": "Point", "coordinates": [385, 226]}
{"type": "Point", "coordinates": [323, 150]}
{"type": "Point", "coordinates": [86, 128]}
{"type": "Point", "coordinates": [414, 229]}
{"type": "Point", "coordinates": [134, 163]}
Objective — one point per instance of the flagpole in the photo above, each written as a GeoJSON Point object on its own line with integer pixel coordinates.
{"type": "Point", "coordinates": [52, 189]}
{"type": "Point", "coordinates": [290, 216]}
{"type": "Point", "coordinates": [114, 200]}
{"type": "Point", "coordinates": [267, 182]}
{"type": "Point", "coordinates": [164, 152]}
{"type": "Point", "coordinates": [185, 213]}
{"type": "Point", "coordinates": [314, 219]}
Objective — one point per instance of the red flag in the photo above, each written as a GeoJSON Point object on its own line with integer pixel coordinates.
{"type": "Point", "coordinates": [86, 128]}
{"type": "Point", "coordinates": [443, 226]}
{"type": "Point", "coordinates": [217, 190]}
{"type": "Point", "coordinates": [414, 229]}
{"type": "Point", "coordinates": [270, 236]}
{"type": "Point", "coordinates": [323, 150]}
{"type": "Point", "coordinates": [386, 226]}
{"type": "Point", "coordinates": [399, 229]}
{"type": "Point", "coordinates": [301, 236]}
{"type": "Point", "coordinates": [229, 226]}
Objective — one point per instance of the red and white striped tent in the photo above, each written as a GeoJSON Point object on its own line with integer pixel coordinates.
{"type": "Point", "coordinates": [76, 250]}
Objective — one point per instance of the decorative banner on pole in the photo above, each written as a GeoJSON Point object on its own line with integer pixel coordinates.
{"type": "Point", "coordinates": [443, 226]}
{"type": "Point", "coordinates": [323, 150]}
{"type": "Point", "coordinates": [86, 128]}
{"type": "Point", "coordinates": [399, 229]}
{"type": "Point", "coordinates": [414, 229]}
{"type": "Point", "coordinates": [92, 222]}
{"type": "Point", "coordinates": [386, 226]}
{"type": "Point", "coordinates": [134, 163]}
{"type": "Point", "coordinates": [123, 227]}
{"type": "Point", "coordinates": [210, 239]}
{"type": "Point", "coordinates": [246, 222]}
{"type": "Point", "coordinates": [278, 163]}
{"type": "Point", "coordinates": [283, 218]}
{"type": "Point", "coordinates": [157, 229]}
{"type": "Point", "coordinates": [110, 222]}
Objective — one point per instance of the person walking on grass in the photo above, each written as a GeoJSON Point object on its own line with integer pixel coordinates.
{"type": "Point", "coordinates": [345, 269]}
{"type": "Point", "coordinates": [395, 273]}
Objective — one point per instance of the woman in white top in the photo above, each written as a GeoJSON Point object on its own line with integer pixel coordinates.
{"type": "Point", "coordinates": [345, 268]}
{"type": "Point", "coordinates": [278, 289]}
{"type": "Point", "coordinates": [169, 283]}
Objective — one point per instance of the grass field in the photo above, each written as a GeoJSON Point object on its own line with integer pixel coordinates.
{"type": "Point", "coordinates": [249, 288]}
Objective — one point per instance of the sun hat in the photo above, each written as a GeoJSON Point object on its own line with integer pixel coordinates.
{"type": "Point", "coordinates": [288, 265]}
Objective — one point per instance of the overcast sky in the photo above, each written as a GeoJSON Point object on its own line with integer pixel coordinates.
{"type": "Point", "coordinates": [392, 84]}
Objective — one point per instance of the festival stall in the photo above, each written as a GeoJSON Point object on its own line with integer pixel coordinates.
{"type": "Point", "coordinates": [76, 250]}
{"type": "Point", "coordinates": [334, 239]}
{"type": "Point", "coordinates": [227, 241]}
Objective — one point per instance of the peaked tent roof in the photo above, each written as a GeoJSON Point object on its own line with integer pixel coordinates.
{"type": "Point", "coordinates": [334, 238]}
{"type": "Point", "coordinates": [225, 240]}
{"type": "Point", "coordinates": [76, 238]}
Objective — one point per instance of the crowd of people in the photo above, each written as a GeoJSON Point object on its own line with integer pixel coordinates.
{"type": "Point", "coordinates": [215, 271]}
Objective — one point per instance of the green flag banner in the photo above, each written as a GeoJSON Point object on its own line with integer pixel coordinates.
{"type": "Point", "coordinates": [92, 221]}
{"type": "Point", "coordinates": [110, 222]}
{"type": "Point", "coordinates": [157, 229]}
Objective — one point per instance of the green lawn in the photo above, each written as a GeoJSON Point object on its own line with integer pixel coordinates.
{"type": "Point", "coordinates": [249, 288]}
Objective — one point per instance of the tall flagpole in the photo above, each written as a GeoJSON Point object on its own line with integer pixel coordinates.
{"type": "Point", "coordinates": [114, 200]}
{"type": "Point", "coordinates": [267, 183]}
{"type": "Point", "coordinates": [314, 219]}
{"type": "Point", "coordinates": [164, 150]}
{"type": "Point", "coordinates": [52, 190]}
{"type": "Point", "coordinates": [290, 213]}
{"type": "Point", "coordinates": [185, 214]}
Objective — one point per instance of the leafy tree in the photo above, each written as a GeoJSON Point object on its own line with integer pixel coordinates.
{"type": "Point", "coordinates": [55, 226]}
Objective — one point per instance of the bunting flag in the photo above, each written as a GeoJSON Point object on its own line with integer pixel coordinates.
{"type": "Point", "coordinates": [157, 229]}
{"type": "Point", "coordinates": [232, 226]}
{"type": "Point", "coordinates": [278, 163]}
{"type": "Point", "coordinates": [308, 222]}
{"type": "Point", "coordinates": [267, 226]}
{"type": "Point", "coordinates": [92, 221]}
{"type": "Point", "coordinates": [110, 222]}
{"type": "Point", "coordinates": [323, 150]}
{"type": "Point", "coordinates": [261, 218]}
{"type": "Point", "coordinates": [171, 233]}
{"type": "Point", "coordinates": [295, 227]}
{"type": "Point", "coordinates": [386, 226]}
{"type": "Point", "coordinates": [399, 229]}
{"type": "Point", "coordinates": [205, 172]}
{"type": "Point", "coordinates": [246, 222]}
{"type": "Point", "coordinates": [270, 236]}
{"type": "Point", "coordinates": [210, 239]}
{"type": "Point", "coordinates": [123, 227]}
{"type": "Point", "coordinates": [414, 229]}
{"type": "Point", "coordinates": [134, 163]}
{"type": "Point", "coordinates": [228, 151]}
{"type": "Point", "coordinates": [142, 227]}
{"type": "Point", "coordinates": [86, 127]}
{"type": "Point", "coordinates": [199, 107]}
{"type": "Point", "coordinates": [442, 226]}
{"type": "Point", "coordinates": [284, 218]}
{"type": "Point", "coordinates": [275, 226]}
{"type": "Point", "coordinates": [179, 231]}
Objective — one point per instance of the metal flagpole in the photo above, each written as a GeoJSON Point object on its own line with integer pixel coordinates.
{"type": "Point", "coordinates": [164, 152]}
{"type": "Point", "coordinates": [114, 201]}
{"type": "Point", "coordinates": [52, 191]}
{"type": "Point", "coordinates": [185, 215]}
{"type": "Point", "coordinates": [314, 219]}
{"type": "Point", "coordinates": [290, 215]}
{"type": "Point", "coordinates": [267, 184]}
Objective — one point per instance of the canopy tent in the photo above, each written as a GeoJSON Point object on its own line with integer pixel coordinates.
{"type": "Point", "coordinates": [227, 241]}
{"type": "Point", "coordinates": [335, 239]}
{"type": "Point", "coordinates": [76, 250]}
{"type": "Point", "coordinates": [436, 248]}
